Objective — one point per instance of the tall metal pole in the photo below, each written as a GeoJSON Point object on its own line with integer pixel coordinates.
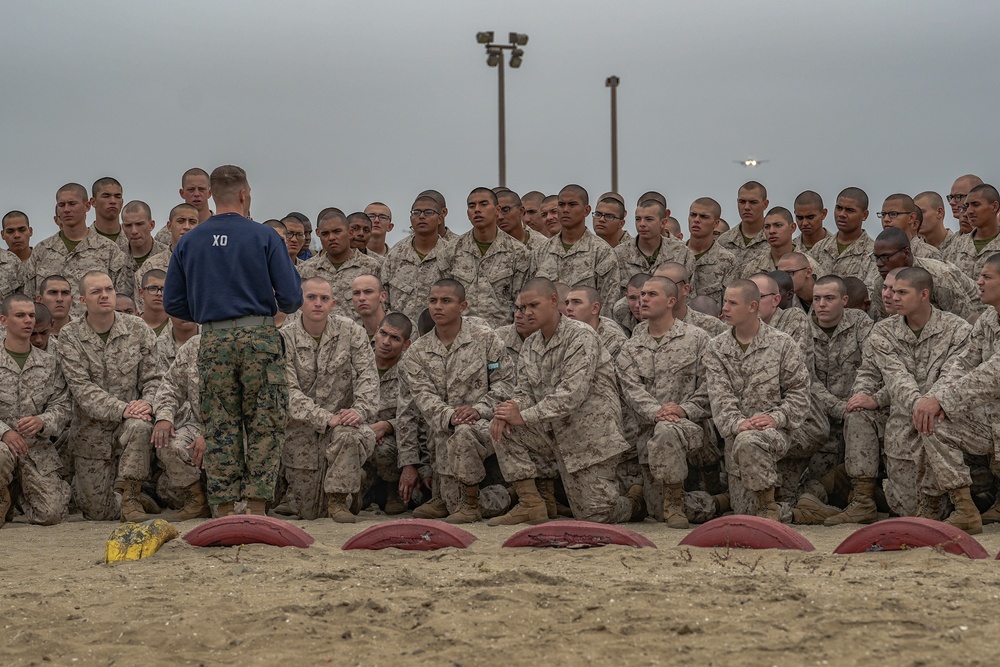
{"type": "Point", "coordinates": [612, 83]}
{"type": "Point", "coordinates": [502, 132]}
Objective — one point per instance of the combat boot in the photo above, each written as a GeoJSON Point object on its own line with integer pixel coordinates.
{"type": "Point", "coordinates": [965, 516]}
{"type": "Point", "coordinates": [6, 502]}
{"type": "Point", "coordinates": [256, 506]}
{"type": "Point", "coordinates": [195, 505]}
{"type": "Point", "coordinates": [862, 508]}
{"type": "Point", "coordinates": [766, 505]}
{"type": "Point", "coordinates": [809, 511]}
{"type": "Point", "coordinates": [227, 508]}
{"type": "Point", "coordinates": [638, 499]}
{"type": "Point", "coordinates": [337, 508]}
{"type": "Point", "coordinates": [992, 515]}
{"type": "Point", "coordinates": [469, 511]}
{"type": "Point", "coordinates": [434, 508]}
{"type": "Point", "coordinates": [722, 504]}
{"type": "Point", "coordinates": [930, 507]}
{"type": "Point", "coordinates": [547, 489]}
{"type": "Point", "coordinates": [393, 503]}
{"type": "Point", "coordinates": [530, 507]}
{"type": "Point", "coordinates": [673, 506]}
{"type": "Point", "coordinates": [131, 506]}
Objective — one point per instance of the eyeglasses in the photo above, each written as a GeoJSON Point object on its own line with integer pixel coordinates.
{"type": "Point", "coordinates": [153, 289]}
{"type": "Point", "coordinates": [769, 294]}
{"type": "Point", "coordinates": [381, 217]}
{"type": "Point", "coordinates": [882, 259]}
{"type": "Point", "coordinates": [506, 209]}
{"type": "Point", "coordinates": [428, 212]}
{"type": "Point", "coordinates": [605, 216]}
{"type": "Point", "coordinates": [792, 272]}
{"type": "Point", "coordinates": [954, 199]}
{"type": "Point", "coordinates": [962, 207]}
{"type": "Point", "coordinates": [296, 235]}
{"type": "Point", "coordinates": [891, 215]}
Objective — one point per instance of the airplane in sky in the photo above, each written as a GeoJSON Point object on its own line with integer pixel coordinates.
{"type": "Point", "coordinates": [750, 162]}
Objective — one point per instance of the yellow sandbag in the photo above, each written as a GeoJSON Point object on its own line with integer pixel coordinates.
{"type": "Point", "coordinates": [132, 541]}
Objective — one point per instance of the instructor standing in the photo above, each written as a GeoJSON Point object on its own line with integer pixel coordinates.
{"type": "Point", "coordinates": [231, 275]}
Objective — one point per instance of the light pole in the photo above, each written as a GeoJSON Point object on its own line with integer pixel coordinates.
{"type": "Point", "coordinates": [612, 83]}
{"type": "Point", "coordinates": [494, 58]}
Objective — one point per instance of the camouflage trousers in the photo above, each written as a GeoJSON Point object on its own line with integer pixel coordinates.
{"type": "Point", "coordinates": [178, 471]}
{"type": "Point", "coordinates": [673, 446]}
{"type": "Point", "coordinates": [698, 505]}
{"type": "Point", "coordinates": [752, 456]}
{"type": "Point", "coordinates": [101, 456]}
{"type": "Point", "coordinates": [320, 464]}
{"type": "Point", "coordinates": [43, 495]}
{"type": "Point", "coordinates": [592, 491]}
{"type": "Point", "coordinates": [862, 442]}
{"type": "Point", "coordinates": [384, 461]}
{"type": "Point", "coordinates": [461, 454]}
{"type": "Point", "coordinates": [942, 453]}
{"type": "Point", "coordinates": [243, 390]}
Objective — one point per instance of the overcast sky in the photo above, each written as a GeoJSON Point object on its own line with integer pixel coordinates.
{"type": "Point", "coordinates": [342, 103]}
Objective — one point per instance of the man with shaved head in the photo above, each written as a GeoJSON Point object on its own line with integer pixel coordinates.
{"type": "Point", "coordinates": [583, 304]}
{"type": "Point", "coordinates": [901, 212]}
{"type": "Point", "coordinates": [970, 252]}
{"type": "Point", "coordinates": [801, 271]}
{"type": "Point", "coordinates": [932, 228]}
{"type": "Point", "coordinates": [849, 251]}
{"type": "Point", "coordinates": [678, 275]}
{"type": "Point", "coordinates": [16, 232]}
{"type": "Point", "coordinates": [746, 241]}
{"type": "Point", "coordinates": [960, 189]}
{"type": "Point", "coordinates": [713, 264]}
{"type": "Point", "coordinates": [511, 220]}
{"type": "Point", "coordinates": [809, 216]}
{"type": "Point", "coordinates": [626, 310]}
{"type": "Point", "coordinates": [381, 218]}
{"type": "Point", "coordinates": [74, 250]}
{"type": "Point", "coordinates": [779, 229]}
{"type": "Point", "coordinates": [106, 200]}
{"type": "Point", "coordinates": [953, 292]}
{"type": "Point", "coordinates": [609, 219]}
{"type": "Point", "coordinates": [180, 221]}
{"type": "Point", "coordinates": [757, 384]}
{"type": "Point", "coordinates": [368, 301]}
{"type": "Point", "coordinates": [532, 216]}
{"type": "Point", "coordinates": [550, 215]}
{"type": "Point", "coordinates": [650, 249]}
{"type": "Point", "coordinates": [137, 226]}
{"type": "Point", "coordinates": [576, 256]}
{"type": "Point", "coordinates": [565, 407]}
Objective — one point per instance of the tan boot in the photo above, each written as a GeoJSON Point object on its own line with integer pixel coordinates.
{"type": "Point", "coordinates": [131, 505]}
{"type": "Point", "coordinates": [965, 516]}
{"type": "Point", "coordinates": [766, 505]}
{"type": "Point", "coordinates": [530, 507]}
{"type": "Point", "coordinates": [930, 507]}
{"type": "Point", "coordinates": [469, 511]}
{"type": "Point", "coordinates": [6, 501]}
{"type": "Point", "coordinates": [722, 504]}
{"type": "Point", "coordinates": [434, 508]}
{"type": "Point", "coordinates": [809, 511]}
{"type": "Point", "coordinates": [195, 505]}
{"type": "Point", "coordinates": [338, 509]}
{"type": "Point", "coordinates": [862, 507]}
{"type": "Point", "coordinates": [393, 503]}
{"type": "Point", "coordinates": [992, 515]}
{"type": "Point", "coordinates": [547, 489]}
{"type": "Point", "coordinates": [256, 506]}
{"type": "Point", "coordinates": [638, 499]}
{"type": "Point", "coordinates": [673, 506]}
{"type": "Point", "coordinates": [227, 508]}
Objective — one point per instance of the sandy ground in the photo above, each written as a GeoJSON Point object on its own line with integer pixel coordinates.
{"type": "Point", "coordinates": [260, 605]}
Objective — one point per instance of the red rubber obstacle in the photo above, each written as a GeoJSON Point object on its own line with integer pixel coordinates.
{"type": "Point", "coordinates": [741, 531]}
{"type": "Point", "coordinates": [578, 534]}
{"type": "Point", "coordinates": [411, 535]}
{"type": "Point", "coordinates": [910, 532]}
{"type": "Point", "coordinates": [229, 531]}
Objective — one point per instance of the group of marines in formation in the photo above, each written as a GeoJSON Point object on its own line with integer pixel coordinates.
{"type": "Point", "coordinates": [532, 367]}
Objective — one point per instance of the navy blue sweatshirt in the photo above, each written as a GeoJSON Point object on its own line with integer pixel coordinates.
{"type": "Point", "coordinates": [230, 267]}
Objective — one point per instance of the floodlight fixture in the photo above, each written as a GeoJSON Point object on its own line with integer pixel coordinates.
{"type": "Point", "coordinates": [517, 38]}
{"type": "Point", "coordinates": [516, 58]}
{"type": "Point", "coordinates": [484, 37]}
{"type": "Point", "coordinates": [494, 57]}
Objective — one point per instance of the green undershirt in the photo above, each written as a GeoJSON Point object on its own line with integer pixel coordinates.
{"type": "Point", "coordinates": [982, 244]}
{"type": "Point", "coordinates": [70, 245]}
{"type": "Point", "coordinates": [484, 247]}
{"type": "Point", "coordinates": [19, 357]}
{"type": "Point", "coordinates": [113, 237]}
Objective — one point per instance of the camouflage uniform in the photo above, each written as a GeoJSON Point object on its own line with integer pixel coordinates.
{"type": "Point", "coordinates": [838, 356]}
{"type": "Point", "coordinates": [37, 389]}
{"type": "Point", "coordinates": [395, 407]}
{"type": "Point", "coordinates": [103, 378]}
{"type": "Point", "coordinates": [968, 385]}
{"type": "Point", "coordinates": [713, 326]}
{"type": "Point", "coordinates": [178, 402]}
{"type": "Point", "coordinates": [12, 274]}
{"type": "Point", "coordinates": [670, 370]}
{"type": "Point", "coordinates": [921, 248]}
{"type": "Point", "coordinates": [910, 366]}
{"type": "Point", "coordinates": [93, 253]}
{"type": "Point", "coordinates": [340, 278]}
{"type": "Point", "coordinates": [856, 260]}
{"type": "Point", "coordinates": [764, 263]}
{"type": "Point", "coordinates": [324, 378]}
{"type": "Point", "coordinates": [568, 398]}
{"type": "Point", "coordinates": [947, 246]}
{"type": "Point", "coordinates": [474, 371]}
{"type": "Point", "coordinates": [492, 281]}
{"type": "Point", "coordinates": [770, 378]}
{"type": "Point", "coordinates": [133, 269]}
{"type": "Point", "coordinates": [533, 240]}
{"type": "Point", "coordinates": [164, 236]}
{"type": "Point", "coordinates": [590, 261]}
{"type": "Point", "coordinates": [513, 341]}
{"type": "Point", "coordinates": [743, 252]}
{"type": "Point", "coordinates": [713, 269]}
{"type": "Point", "coordinates": [953, 292]}
{"type": "Point", "coordinates": [408, 279]}
{"type": "Point", "coordinates": [631, 261]}
{"type": "Point", "coordinates": [158, 260]}
{"type": "Point", "coordinates": [970, 261]}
